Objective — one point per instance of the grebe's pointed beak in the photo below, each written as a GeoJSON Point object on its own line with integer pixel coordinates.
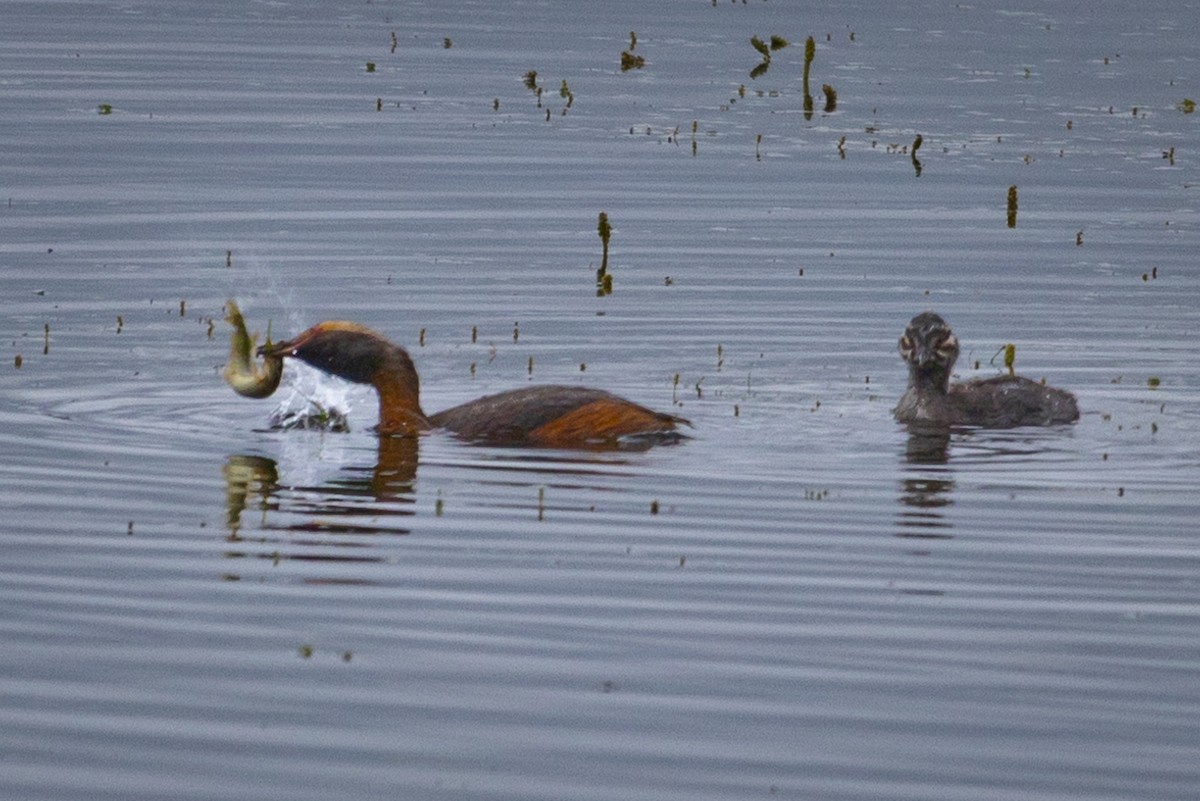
{"type": "Point", "coordinates": [322, 334]}
{"type": "Point", "coordinates": [276, 349]}
{"type": "Point", "coordinates": [288, 347]}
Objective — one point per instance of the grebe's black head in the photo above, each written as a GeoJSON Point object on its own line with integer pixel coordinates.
{"type": "Point", "coordinates": [346, 350]}
{"type": "Point", "coordinates": [929, 346]}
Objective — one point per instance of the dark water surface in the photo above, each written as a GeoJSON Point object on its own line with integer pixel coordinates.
{"type": "Point", "coordinates": [799, 602]}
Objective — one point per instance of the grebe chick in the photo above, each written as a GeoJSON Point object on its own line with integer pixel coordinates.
{"type": "Point", "coordinates": [930, 349]}
{"type": "Point", "coordinates": [551, 416]}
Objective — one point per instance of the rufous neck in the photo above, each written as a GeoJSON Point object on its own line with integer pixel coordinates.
{"type": "Point", "coordinates": [399, 391]}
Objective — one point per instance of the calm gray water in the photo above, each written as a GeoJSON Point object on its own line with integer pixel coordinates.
{"type": "Point", "coordinates": [796, 603]}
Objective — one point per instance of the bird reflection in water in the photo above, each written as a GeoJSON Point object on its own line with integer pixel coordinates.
{"type": "Point", "coordinates": [925, 493]}
{"type": "Point", "coordinates": [321, 522]}
{"type": "Point", "coordinates": [247, 476]}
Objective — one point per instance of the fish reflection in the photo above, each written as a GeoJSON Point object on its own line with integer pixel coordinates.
{"type": "Point", "coordinates": [247, 476]}
{"type": "Point", "coordinates": [323, 523]}
{"type": "Point", "coordinates": [925, 494]}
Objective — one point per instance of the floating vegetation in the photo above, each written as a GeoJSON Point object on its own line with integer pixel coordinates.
{"type": "Point", "coordinates": [765, 49]}
{"type": "Point", "coordinates": [830, 98]}
{"type": "Point", "coordinates": [757, 143]}
{"type": "Point", "coordinates": [1012, 207]}
{"type": "Point", "coordinates": [1153, 382]}
{"type": "Point", "coordinates": [810, 52]}
{"type": "Point", "coordinates": [1169, 155]}
{"type": "Point", "coordinates": [394, 41]}
{"type": "Point", "coordinates": [841, 146]}
{"type": "Point", "coordinates": [17, 361]}
{"type": "Point", "coordinates": [1010, 357]}
{"type": "Point", "coordinates": [446, 43]}
{"type": "Point", "coordinates": [629, 61]}
{"type": "Point", "coordinates": [105, 109]}
{"type": "Point", "coordinates": [529, 79]}
{"type": "Point", "coordinates": [603, 277]}
{"type": "Point", "coordinates": [314, 417]}
{"type": "Point", "coordinates": [370, 66]}
{"type": "Point", "coordinates": [1187, 105]}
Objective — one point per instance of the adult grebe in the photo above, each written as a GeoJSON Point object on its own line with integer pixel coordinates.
{"type": "Point", "coordinates": [551, 416]}
{"type": "Point", "coordinates": [930, 349]}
